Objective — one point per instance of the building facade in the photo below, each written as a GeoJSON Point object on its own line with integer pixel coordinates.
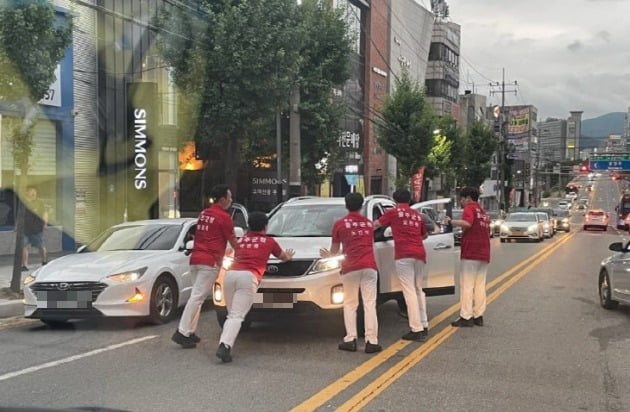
{"type": "Point", "coordinates": [552, 135]}
{"type": "Point", "coordinates": [574, 131]}
{"type": "Point", "coordinates": [472, 108]}
{"type": "Point", "coordinates": [442, 78]}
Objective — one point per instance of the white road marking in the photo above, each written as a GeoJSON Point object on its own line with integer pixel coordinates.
{"type": "Point", "coordinates": [73, 358]}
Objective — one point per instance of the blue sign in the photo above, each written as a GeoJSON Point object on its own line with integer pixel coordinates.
{"type": "Point", "coordinates": [610, 165]}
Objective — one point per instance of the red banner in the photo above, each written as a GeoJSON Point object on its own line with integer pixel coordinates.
{"type": "Point", "coordinates": [416, 184]}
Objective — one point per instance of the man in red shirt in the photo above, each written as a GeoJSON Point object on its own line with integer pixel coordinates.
{"type": "Point", "coordinates": [355, 234]}
{"type": "Point", "coordinates": [213, 231]}
{"type": "Point", "coordinates": [241, 281]}
{"type": "Point", "coordinates": [409, 231]}
{"type": "Point", "coordinates": [475, 256]}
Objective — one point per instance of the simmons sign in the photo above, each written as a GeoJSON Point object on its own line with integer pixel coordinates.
{"type": "Point", "coordinates": [142, 170]}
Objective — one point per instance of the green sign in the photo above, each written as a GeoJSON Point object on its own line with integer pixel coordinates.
{"type": "Point", "coordinates": [610, 157]}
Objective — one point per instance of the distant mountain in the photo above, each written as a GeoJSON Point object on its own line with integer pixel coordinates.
{"type": "Point", "coordinates": [604, 125]}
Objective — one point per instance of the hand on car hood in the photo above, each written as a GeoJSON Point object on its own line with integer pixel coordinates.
{"type": "Point", "coordinates": [305, 247]}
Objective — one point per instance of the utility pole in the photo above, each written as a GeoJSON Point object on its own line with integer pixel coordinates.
{"type": "Point", "coordinates": [295, 155]}
{"type": "Point", "coordinates": [279, 187]}
{"type": "Point", "coordinates": [502, 152]}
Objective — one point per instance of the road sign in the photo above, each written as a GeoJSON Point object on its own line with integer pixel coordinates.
{"type": "Point", "coordinates": [610, 164]}
{"type": "Point", "coordinates": [610, 156]}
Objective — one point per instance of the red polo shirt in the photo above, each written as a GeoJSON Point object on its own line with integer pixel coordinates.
{"type": "Point", "coordinates": [252, 253]}
{"type": "Point", "coordinates": [355, 232]}
{"type": "Point", "coordinates": [214, 229]}
{"type": "Point", "coordinates": [476, 239]}
{"type": "Point", "coordinates": [408, 229]}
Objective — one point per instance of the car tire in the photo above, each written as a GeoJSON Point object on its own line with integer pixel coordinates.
{"type": "Point", "coordinates": [605, 294]}
{"type": "Point", "coordinates": [163, 304]}
{"type": "Point", "coordinates": [55, 323]}
{"type": "Point", "coordinates": [502, 240]}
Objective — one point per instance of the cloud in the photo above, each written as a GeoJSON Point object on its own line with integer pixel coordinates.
{"type": "Point", "coordinates": [575, 46]}
{"type": "Point", "coordinates": [604, 35]}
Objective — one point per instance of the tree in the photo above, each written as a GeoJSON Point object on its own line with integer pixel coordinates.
{"type": "Point", "coordinates": [406, 127]}
{"type": "Point", "coordinates": [32, 43]}
{"type": "Point", "coordinates": [481, 144]}
{"type": "Point", "coordinates": [236, 62]}
{"type": "Point", "coordinates": [325, 53]}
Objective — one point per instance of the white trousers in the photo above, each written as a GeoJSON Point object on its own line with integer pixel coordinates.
{"type": "Point", "coordinates": [410, 274]}
{"type": "Point", "coordinates": [239, 288]}
{"type": "Point", "coordinates": [365, 281]}
{"type": "Point", "coordinates": [203, 279]}
{"type": "Point", "coordinates": [472, 285]}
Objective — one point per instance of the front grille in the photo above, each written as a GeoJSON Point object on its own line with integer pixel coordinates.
{"type": "Point", "coordinates": [292, 268]}
{"type": "Point", "coordinates": [95, 287]}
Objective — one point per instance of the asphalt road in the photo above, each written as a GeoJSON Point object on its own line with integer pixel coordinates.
{"type": "Point", "coordinates": [546, 345]}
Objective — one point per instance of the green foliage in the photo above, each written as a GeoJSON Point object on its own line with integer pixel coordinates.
{"type": "Point", "coordinates": [406, 128]}
{"type": "Point", "coordinates": [31, 45]}
{"type": "Point", "coordinates": [479, 147]}
{"type": "Point", "coordinates": [325, 53]}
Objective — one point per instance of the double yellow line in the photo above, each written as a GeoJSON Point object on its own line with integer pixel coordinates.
{"type": "Point", "coordinates": [373, 389]}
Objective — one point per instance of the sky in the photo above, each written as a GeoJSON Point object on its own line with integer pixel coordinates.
{"type": "Point", "coordinates": [564, 54]}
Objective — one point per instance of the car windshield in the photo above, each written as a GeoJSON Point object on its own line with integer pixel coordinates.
{"type": "Point", "coordinates": [136, 237]}
{"type": "Point", "coordinates": [543, 216]}
{"type": "Point", "coordinates": [521, 217]}
{"type": "Point", "coordinates": [304, 220]}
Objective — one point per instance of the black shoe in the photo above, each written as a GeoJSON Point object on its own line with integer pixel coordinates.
{"type": "Point", "coordinates": [186, 342]}
{"type": "Point", "coordinates": [420, 336]}
{"type": "Point", "coordinates": [24, 268]}
{"type": "Point", "coordinates": [464, 323]}
{"type": "Point", "coordinates": [194, 338]}
{"type": "Point", "coordinates": [478, 321]}
{"type": "Point", "coordinates": [223, 353]}
{"type": "Point", "coordinates": [349, 346]}
{"type": "Point", "coordinates": [372, 347]}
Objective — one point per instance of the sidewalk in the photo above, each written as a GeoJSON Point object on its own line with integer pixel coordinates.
{"type": "Point", "coordinates": [13, 307]}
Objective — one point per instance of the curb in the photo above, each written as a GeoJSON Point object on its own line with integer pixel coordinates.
{"type": "Point", "coordinates": [11, 308]}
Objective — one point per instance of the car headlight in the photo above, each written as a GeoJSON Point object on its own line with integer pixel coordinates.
{"type": "Point", "coordinates": [505, 228]}
{"type": "Point", "coordinates": [227, 262]}
{"type": "Point", "coordinates": [130, 276]}
{"type": "Point", "coordinates": [565, 220]}
{"type": "Point", "coordinates": [325, 264]}
{"type": "Point", "coordinates": [31, 278]}
{"type": "Point", "coordinates": [336, 295]}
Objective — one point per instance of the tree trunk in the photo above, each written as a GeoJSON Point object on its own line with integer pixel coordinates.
{"type": "Point", "coordinates": [16, 278]}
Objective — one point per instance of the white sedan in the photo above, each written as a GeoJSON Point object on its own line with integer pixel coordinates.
{"type": "Point", "coordinates": [132, 269]}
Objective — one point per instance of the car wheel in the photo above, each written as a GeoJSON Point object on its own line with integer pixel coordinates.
{"type": "Point", "coordinates": [163, 300]}
{"type": "Point", "coordinates": [502, 240]}
{"type": "Point", "coordinates": [55, 323]}
{"type": "Point", "coordinates": [605, 292]}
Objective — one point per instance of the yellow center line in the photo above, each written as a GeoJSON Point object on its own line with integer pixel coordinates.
{"type": "Point", "coordinates": [359, 372]}
{"type": "Point", "coordinates": [381, 383]}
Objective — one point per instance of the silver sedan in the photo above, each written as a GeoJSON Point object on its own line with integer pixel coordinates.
{"type": "Point", "coordinates": [614, 279]}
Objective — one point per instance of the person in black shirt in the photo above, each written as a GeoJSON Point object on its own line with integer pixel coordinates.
{"type": "Point", "coordinates": [35, 219]}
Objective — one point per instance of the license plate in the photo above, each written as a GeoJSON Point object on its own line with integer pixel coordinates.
{"type": "Point", "coordinates": [275, 300]}
{"type": "Point", "coordinates": [57, 299]}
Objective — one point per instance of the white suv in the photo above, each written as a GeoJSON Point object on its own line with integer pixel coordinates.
{"type": "Point", "coordinates": [308, 281]}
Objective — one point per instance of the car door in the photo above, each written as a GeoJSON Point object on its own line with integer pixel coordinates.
{"type": "Point", "coordinates": [442, 259]}
{"type": "Point", "coordinates": [620, 266]}
{"type": "Point", "coordinates": [383, 247]}
{"type": "Point", "coordinates": [181, 265]}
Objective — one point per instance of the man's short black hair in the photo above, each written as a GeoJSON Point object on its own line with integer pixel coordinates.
{"type": "Point", "coordinates": [219, 191]}
{"type": "Point", "coordinates": [471, 192]}
{"type": "Point", "coordinates": [257, 221]}
{"type": "Point", "coordinates": [354, 201]}
{"type": "Point", "coordinates": [402, 196]}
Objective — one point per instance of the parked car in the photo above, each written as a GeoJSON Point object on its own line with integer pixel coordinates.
{"type": "Point", "coordinates": [596, 218]}
{"type": "Point", "coordinates": [132, 269]}
{"type": "Point", "coordinates": [311, 282]}
{"type": "Point", "coordinates": [613, 281]}
{"type": "Point", "coordinates": [523, 226]}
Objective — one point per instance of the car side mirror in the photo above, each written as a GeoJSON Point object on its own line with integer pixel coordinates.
{"type": "Point", "coordinates": [239, 231]}
{"type": "Point", "coordinates": [616, 247]}
{"type": "Point", "coordinates": [189, 247]}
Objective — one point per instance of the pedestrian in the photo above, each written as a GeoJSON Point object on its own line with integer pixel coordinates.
{"type": "Point", "coordinates": [475, 257]}
{"type": "Point", "coordinates": [35, 220]}
{"type": "Point", "coordinates": [214, 230]}
{"type": "Point", "coordinates": [242, 279]}
{"type": "Point", "coordinates": [353, 235]}
{"type": "Point", "coordinates": [409, 231]}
